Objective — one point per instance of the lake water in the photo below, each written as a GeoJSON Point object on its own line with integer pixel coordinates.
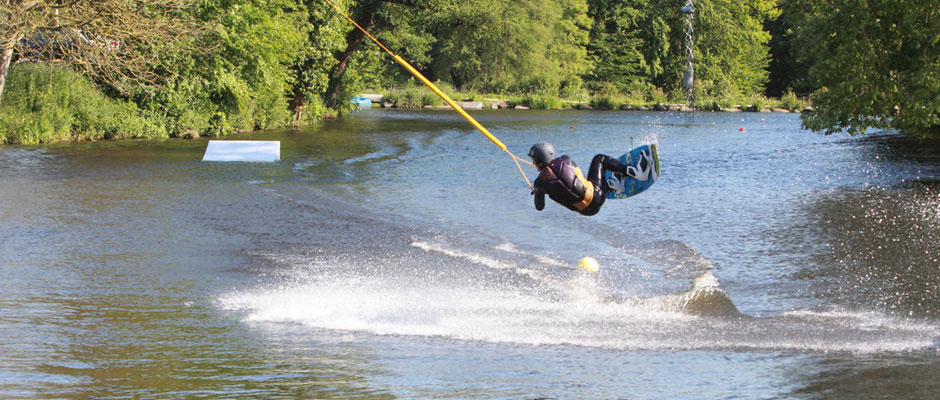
{"type": "Point", "coordinates": [394, 254]}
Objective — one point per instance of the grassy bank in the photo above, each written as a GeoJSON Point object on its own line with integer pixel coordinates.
{"type": "Point", "coordinates": [43, 104]}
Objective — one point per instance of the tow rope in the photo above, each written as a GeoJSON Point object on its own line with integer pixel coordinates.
{"type": "Point", "coordinates": [440, 94]}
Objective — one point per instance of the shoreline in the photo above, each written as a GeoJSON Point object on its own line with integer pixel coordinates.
{"type": "Point", "coordinates": [379, 101]}
{"type": "Point", "coordinates": [467, 105]}
{"type": "Point", "coordinates": [587, 107]}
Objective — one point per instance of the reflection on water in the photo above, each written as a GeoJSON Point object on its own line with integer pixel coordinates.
{"type": "Point", "coordinates": [881, 249]}
{"type": "Point", "coordinates": [154, 347]}
{"type": "Point", "coordinates": [398, 254]}
{"type": "Point", "coordinates": [875, 377]}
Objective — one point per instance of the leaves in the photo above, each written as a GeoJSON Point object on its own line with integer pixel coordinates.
{"type": "Point", "coordinates": [876, 64]}
{"type": "Point", "coordinates": [216, 66]}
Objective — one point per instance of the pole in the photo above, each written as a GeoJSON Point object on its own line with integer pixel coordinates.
{"type": "Point", "coordinates": [688, 76]}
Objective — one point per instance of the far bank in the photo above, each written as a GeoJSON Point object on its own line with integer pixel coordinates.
{"type": "Point", "coordinates": [44, 104]}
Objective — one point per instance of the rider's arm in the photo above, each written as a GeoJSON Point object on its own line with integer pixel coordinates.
{"type": "Point", "coordinates": [539, 198]}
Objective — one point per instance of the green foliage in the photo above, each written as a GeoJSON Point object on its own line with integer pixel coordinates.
{"type": "Point", "coordinates": [539, 102]}
{"type": "Point", "coordinates": [431, 99]}
{"type": "Point", "coordinates": [239, 77]}
{"type": "Point", "coordinates": [787, 71]}
{"type": "Point", "coordinates": [708, 105]}
{"type": "Point", "coordinates": [481, 45]}
{"type": "Point", "coordinates": [756, 103]}
{"type": "Point", "coordinates": [310, 68]}
{"type": "Point", "coordinates": [185, 108]}
{"type": "Point", "coordinates": [876, 64]}
{"type": "Point", "coordinates": [527, 46]}
{"type": "Point", "coordinates": [267, 63]}
{"type": "Point", "coordinates": [657, 96]}
{"type": "Point", "coordinates": [623, 37]}
{"type": "Point", "coordinates": [407, 98]}
{"type": "Point", "coordinates": [536, 84]}
{"type": "Point", "coordinates": [572, 88]}
{"type": "Point", "coordinates": [567, 52]}
{"type": "Point", "coordinates": [606, 102]}
{"type": "Point", "coordinates": [732, 52]}
{"type": "Point", "coordinates": [414, 97]}
{"type": "Point", "coordinates": [639, 43]}
{"type": "Point", "coordinates": [249, 60]}
{"type": "Point", "coordinates": [791, 102]}
{"type": "Point", "coordinates": [407, 30]}
{"type": "Point", "coordinates": [712, 104]}
{"type": "Point", "coordinates": [44, 104]}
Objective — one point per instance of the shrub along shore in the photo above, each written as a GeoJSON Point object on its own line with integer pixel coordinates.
{"type": "Point", "coordinates": [44, 104]}
{"type": "Point", "coordinates": [601, 104]}
{"type": "Point", "coordinates": [419, 99]}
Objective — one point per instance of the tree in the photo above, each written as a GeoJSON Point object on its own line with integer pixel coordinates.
{"type": "Point", "coordinates": [639, 44]}
{"type": "Point", "coordinates": [525, 46]}
{"type": "Point", "coordinates": [568, 47]}
{"type": "Point", "coordinates": [731, 46]}
{"type": "Point", "coordinates": [787, 72]}
{"type": "Point", "coordinates": [474, 44]}
{"type": "Point", "coordinates": [876, 64]}
{"type": "Point", "coordinates": [249, 76]}
{"type": "Point", "coordinates": [628, 42]}
{"type": "Point", "coordinates": [237, 74]}
{"type": "Point", "coordinates": [312, 65]}
{"type": "Point", "coordinates": [366, 13]}
{"type": "Point", "coordinates": [113, 41]}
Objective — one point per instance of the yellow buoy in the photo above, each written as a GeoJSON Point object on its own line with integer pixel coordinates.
{"type": "Point", "coordinates": [589, 264]}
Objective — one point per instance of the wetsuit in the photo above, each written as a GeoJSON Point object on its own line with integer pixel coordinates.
{"type": "Point", "coordinates": [564, 183]}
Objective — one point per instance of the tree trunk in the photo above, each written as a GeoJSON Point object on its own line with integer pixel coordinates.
{"type": "Point", "coordinates": [5, 58]}
{"type": "Point", "coordinates": [353, 42]}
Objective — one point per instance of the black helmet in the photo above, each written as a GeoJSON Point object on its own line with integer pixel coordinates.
{"type": "Point", "coordinates": [542, 153]}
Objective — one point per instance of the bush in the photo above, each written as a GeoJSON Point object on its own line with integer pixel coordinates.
{"type": "Point", "coordinates": [431, 99]}
{"type": "Point", "coordinates": [406, 98]}
{"type": "Point", "coordinates": [44, 104]}
{"type": "Point", "coordinates": [791, 102]}
{"type": "Point", "coordinates": [606, 102]}
{"type": "Point", "coordinates": [708, 106]}
{"type": "Point", "coordinates": [712, 104]}
{"type": "Point", "coordinates": [758, 103]}
{"type": "Point", "coordinates": [537, 85]}
{"type": "Point", "coordinates": [185, 110]}
{"type": "Point", "coordinates": [657, 96]}
{"type": "Point", "coordinates": [537, 102]}
{"type": "Point", "coordinates": [571, 88]}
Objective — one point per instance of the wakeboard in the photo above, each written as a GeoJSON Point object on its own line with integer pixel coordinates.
{"type": "Point", "coordinates": [643, 162]}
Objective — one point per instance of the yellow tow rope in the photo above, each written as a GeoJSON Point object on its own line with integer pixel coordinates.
{"type": "Point", "coordinates": [441, 94]}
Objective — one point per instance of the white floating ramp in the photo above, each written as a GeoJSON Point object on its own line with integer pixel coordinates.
{"type": "Point", "coordinates": [243, 150]}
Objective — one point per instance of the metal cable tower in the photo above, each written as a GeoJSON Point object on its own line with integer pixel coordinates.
{"type": "Point", "coordinates": [688, 76]}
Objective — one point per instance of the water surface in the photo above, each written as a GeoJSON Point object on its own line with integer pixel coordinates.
{"type": "Point", "coordinates": [398, 255]}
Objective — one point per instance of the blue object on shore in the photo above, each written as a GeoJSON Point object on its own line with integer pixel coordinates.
{"type": "Point", "coordinates": [361, 101]}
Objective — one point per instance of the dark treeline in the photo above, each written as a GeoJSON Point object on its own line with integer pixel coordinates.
{"type": "Point", "coordinates": [173, 68]}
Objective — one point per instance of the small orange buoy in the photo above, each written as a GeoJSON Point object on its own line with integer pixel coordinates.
{"type": "Point", "coordinates": [741, 130]}
{"type": "Point", "coordinates": [571, 127]}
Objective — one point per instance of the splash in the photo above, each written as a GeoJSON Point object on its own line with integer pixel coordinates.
{"type": "Point", "coordinates": [705, 298]}
{"type": "Point", "coordinates": [574, 310]}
